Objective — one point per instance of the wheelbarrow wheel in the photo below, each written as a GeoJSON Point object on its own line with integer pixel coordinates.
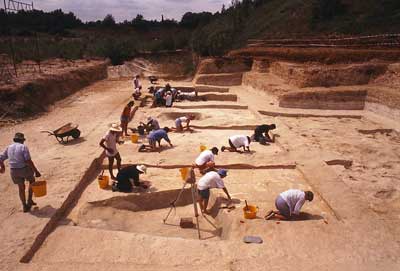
{"type": "Point", "coordinates": [75, 133]}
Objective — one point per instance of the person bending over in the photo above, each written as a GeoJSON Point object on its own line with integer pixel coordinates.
{"type": "Point", "coordinates": [210, 180]}
{"type": "Point", "coordinates": [205, 161]}
{"type": "Point", "coordinates": [261, 133]}
{"type": "Point", "coordinates": [155, 137]}
{"type": "Point", "coordinates": [289, 204]}
{"type": "Point", "coordinates": [128, 177]}
{"type": "Point", "coordinates": [238, 141]}
{"type": "Point", "coordinates": [178, 123]}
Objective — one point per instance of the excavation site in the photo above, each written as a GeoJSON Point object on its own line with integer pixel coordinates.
{"type": "Point", "coordinates": [279, 154]}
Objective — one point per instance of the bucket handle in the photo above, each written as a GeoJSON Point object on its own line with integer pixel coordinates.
{"type": "Point", "coordinates": [102, 173]}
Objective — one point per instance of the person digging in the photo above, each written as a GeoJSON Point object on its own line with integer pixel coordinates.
{"type": "Point", "coordinates": [22, 169]}
{"type": "Point", "coordinates": [289, 204]}
{"type": "Point", "coordinates": [179, 121]}
{"type": "Point", "coordinates": [109, 143]}
{"type": "Point", "coordinates": [155, 137]}
{"type": "Point", "coordinates": [128, 177]}
{"type": "Point", "coordinates": [210, 180]}
{"type": "Point", "coordinates": [236, 142]}
{"type": "Point", "coordinates": [261, 134]}
{"type": "Point", "coordinates": [205, 161]}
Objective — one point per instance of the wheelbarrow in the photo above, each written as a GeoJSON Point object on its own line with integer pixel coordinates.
{"type": "Point", "coordinates": [66, 131]}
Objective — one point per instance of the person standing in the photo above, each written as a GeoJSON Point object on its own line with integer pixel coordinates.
{"type": "Point", "coordinates": [22, 169]}
{"type": "Point", "coordinates": [126, 117]}
{"type": "Point", "coordinates": [109, 143]}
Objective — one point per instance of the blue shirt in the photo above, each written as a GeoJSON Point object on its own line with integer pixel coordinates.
{"type": "Point", "coordinates": [17, 154]}
{"type": "Point", "coordinates": [157, 135]}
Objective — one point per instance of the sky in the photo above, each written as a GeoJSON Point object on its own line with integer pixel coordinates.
{"type": "Point", "coordinates": [92, 10]}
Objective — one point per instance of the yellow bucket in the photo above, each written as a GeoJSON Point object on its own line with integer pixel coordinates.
{"type": "Point", "coordinates": [202, 147]}
{"type": "Point", "coordinates": [184, 172]}
{"type": "Point", "coordinates": [134, 138]}
{"type": "Point", "coordinates": [250, 212]}
{"type": "Point", "coordinates": [39, 188]}
{"type": "Point", "coordinates": [103, 181]}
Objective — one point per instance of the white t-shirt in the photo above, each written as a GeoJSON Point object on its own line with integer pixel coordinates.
{"type": "Point", "coordinates": [239, 141]}
{"type": "Point", "coordinates": [204, 157]}
{"type": "Point", "coordinates": [295, 199]}
{"type": "Point", "coordinates": [210, 180]}
{"type": "Point", "coordinates": [111, 142]}
{"type": "Point", "coordinates": [183, 119]}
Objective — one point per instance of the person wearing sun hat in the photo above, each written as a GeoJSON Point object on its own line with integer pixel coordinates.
{"type": "Point", "coordinates": [128, 177]}
{"type": "Point", "coordinates": [22, 168]}
{"type": "Point", "coordinates": [210, 180]}
{"type": "Point", "coordinates": [109, 144]}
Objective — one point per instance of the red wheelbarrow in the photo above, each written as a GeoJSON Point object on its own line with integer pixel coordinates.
{"type": "Point", "coordinates": [66, 131]}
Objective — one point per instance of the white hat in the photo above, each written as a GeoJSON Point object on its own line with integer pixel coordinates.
{"type": "Point", "coordinates": [115, 128]}
{"type": "Point", "coordinates": [149, 118]}
{"type": "Point", "coordinates": [141, 168]}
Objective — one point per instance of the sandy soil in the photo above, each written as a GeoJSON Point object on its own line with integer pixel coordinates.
{"type": "Point", "coordinates": [351, 224]}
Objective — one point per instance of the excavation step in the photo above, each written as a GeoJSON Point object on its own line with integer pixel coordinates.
{"type": "Point", "coordinates": [310, 115]}
{"type": "Point", "coordinates": [201, 88]}
{"type": "Point", "coordinates": [212, 106]}
{"type": "Point", "coordinates": [224, 79]}
{"type": "Point", "coordinates": [324, 99]}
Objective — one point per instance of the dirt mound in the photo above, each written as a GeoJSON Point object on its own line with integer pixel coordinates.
{"type": "Point", "coordinates": [325, 99]}
{"type": "Point", "coordinates": [34, 96]}
{"type": "Point", "coordinates": [327, 75]}
{"type": "Point", "coordinates": [391, 77]}
{"type": "Point", "coordinates": [260, 65]}
{"type": "Point", "coordinates": [226, 79]}
{"type": "Point", "coordinates": [224, 65]}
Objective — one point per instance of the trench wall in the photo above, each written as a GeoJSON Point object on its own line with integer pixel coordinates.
{"type": "Point", "coordinates": [33, 97]}
{"type": "Point", "coordinates": [325, 99]}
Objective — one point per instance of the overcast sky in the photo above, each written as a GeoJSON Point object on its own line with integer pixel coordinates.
{"type": "Point", "coordinates": [91, 10]}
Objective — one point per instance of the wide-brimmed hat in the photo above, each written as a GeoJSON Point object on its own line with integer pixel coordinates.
{"type": "Point", "coordinates": [115, 128]}
{"type": "Point", "coordinates": [19, 136]}
{"type": "Point", "coordinates": [149, 118]}
{"type": "Point", "coordinates": [141, 168]}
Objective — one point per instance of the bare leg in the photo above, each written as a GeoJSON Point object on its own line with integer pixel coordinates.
{"type": "Point", "coordinates": [205, 206]}
{"type": "Point", "coordinates": [21, 191]}
{"type": "Point", "coordinates": [110, 167]}
{"type": "Point", "coordinates": [30, 194]}
{"type": "Point", "coordinates": [118, 157]}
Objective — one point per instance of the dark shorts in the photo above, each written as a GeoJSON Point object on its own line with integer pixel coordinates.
{"type": "Point", "coordinates": [205, 194]}
{"type": "Point", "coordinates": [231, 144]}
{"type": "Point", "coordinates": [20, 175]}
{"type": "Point", "coordinates": [124, 119]}
{"type": "Point", "coordinates": [282, 206]}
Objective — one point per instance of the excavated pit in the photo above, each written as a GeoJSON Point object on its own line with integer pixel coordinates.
{"type": "Point", "coordinates": [145, 214]}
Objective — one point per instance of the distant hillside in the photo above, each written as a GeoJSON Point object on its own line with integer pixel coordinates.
{"type": "Point", "coordinates": [249, 19]}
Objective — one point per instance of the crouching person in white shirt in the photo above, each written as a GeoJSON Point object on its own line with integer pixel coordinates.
{"type": "Point", "coordinates": [238, 141]}
{"type": "Point", "coordinates": [289, 204]}
{"type": "Point", "coordinates": [210, 180]}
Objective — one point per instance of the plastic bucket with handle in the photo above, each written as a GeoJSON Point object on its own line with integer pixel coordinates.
{"type": "Point", "coordinates": [134, 138]}
{"type": "Point", "coordinates": [250, 211]}
{"type": "Point", "coordinates": [39, 188]}
{"type": "Point", "coordinates": [103, 180]}
{"type": "Point", "coordinates": [202, 147]}
{"type": "Point", "coordinates": [184, 173]}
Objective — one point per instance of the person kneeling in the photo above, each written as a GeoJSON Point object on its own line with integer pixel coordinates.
{"type": "Point", "coordinates": [128, 177]}
{"type": "Point", "coordinates": [210, 180]}
{"type": "Point", "coordinates": [155, 137]}
{"type": "Point", "coordinates": [236, 142]}
{"type": "Point", "coordinates": [289, 204]}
